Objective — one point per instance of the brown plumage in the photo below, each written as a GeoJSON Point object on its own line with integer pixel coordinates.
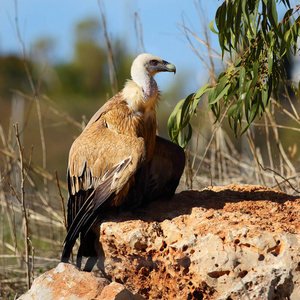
{"type": "Point", "coordinates": [119, 159]}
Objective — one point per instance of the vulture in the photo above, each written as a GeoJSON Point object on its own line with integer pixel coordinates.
{"type": "Point", "coordinates": [118, 160]}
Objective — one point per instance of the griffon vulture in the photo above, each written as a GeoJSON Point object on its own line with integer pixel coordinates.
{"type": "Point", "coordinates": [119, 159]}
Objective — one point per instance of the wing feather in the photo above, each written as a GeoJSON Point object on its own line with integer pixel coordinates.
{"type": "Point", "coordinates": [165, 169]}
{"type": "Point", "coordinates": [98, 199]}
{"type": "Point", "coordinates": [103, 161]}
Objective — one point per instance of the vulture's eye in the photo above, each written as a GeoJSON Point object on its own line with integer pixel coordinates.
{"type": "Point", "coordinates": [153, 62]}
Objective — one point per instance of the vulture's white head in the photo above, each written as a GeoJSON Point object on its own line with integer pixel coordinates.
{"type": "Point", "coordinates": [146, 65]}
{"type": "Point", "coordinates": [142, 90]}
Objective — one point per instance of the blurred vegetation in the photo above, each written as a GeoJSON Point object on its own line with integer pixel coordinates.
{"type": "Point", "coordinates": [78, 87]}
{"type": "Point", "coordinates": [51, 102]}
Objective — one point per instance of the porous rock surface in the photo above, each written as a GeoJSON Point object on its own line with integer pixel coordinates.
{"type": "Point", "coordinates": [232, 242]}
{"type": "Point", "coordinates": [69, 283]}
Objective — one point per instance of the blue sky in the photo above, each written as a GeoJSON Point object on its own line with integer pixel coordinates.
{"type": "Point", "coordinates": [162, 34]}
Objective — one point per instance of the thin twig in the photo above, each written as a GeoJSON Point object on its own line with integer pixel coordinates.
{"type": "Point", "coordinates": [23, 205]}
{"type": "Point", "coordinates": [205, 44]}
{"type": "Point", "coordinates": [296, 119]}
{"type": "Point", "coordinates": [62, 201]}
{"type": "Point", "coordinates": [211, 139]}
{"type": "Point", "coordinates": [252, 147]}
{"type": "Point", "coordinates": [139, 30]}
{"type": "Point", "coordinates": [35, 168]}
{"type": "Point", "coordinates": [111, 62]}
{"type": "Point", "coordinates": [291, 102]}
{"type": "Point", "coordinates": [35, 93]}
{"type": "Point", "coordinates": [282, 177]}
{"type": "Point", "coordinates": [32, 258]}
{"type": "Point", "coordinates": [282, 152]}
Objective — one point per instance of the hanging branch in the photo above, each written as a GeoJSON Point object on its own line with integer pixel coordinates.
{"type": "Point", "coordinates": [252, 38]}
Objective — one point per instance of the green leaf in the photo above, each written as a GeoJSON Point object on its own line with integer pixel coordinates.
{"type": "Point", "coordinates": [242, 74]}
{"type": "Point", "coordinates": [204, 89]}
{"type": "Point", "coordinates": [270, 56]}
{"type": "Point", "coordinates": [272, 3]}
{"type": "Point", "coordinates": [185, 107]}
{"type": "Point", "coordinates": [211, 27]}
{"type": "Point", "coordinates": [255, 68]}
{"type": "Point", "coordinates": [238, 114]}
{"type": "Point", "coordinates": [253, 112]}
{"type": "Point", "coordinates": [181, 115]}
{"type": "Point", "coordinates": [222, 93]}
{"type": "Point", "coordinates": [254, 81]}
{"type": "Point", "coordinates": [288, 14]}
{"type": "Point", "coordinates": [288, 36]}
{"type": "Point", "coordinates": [215, 108]}
{"type": "Point", "coordinates": [237, 23]}
{"type": "Point", "coordinates": [233, 92]}
{"type": "Point", "coordinates": [265, 97]}
{"type": "Point", "coordinates": [246, 105]}
{"type": "Point", "coordinates": [230, 113]}
{"type": "Point", "coordinates": [172, 125]}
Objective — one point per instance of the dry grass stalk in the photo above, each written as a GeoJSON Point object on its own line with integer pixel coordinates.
{"type": "Point", "coordinates": [110, 55]}
{"type": "Point", "coordinates": [62, 201]}
{"type": "Point", "coordinates": [139, 31]}
{"type": "Point", "coordinates": [21, 200]}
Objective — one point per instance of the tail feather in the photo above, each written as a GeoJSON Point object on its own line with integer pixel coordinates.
{"type": "Point", "coordinates": [84, 220]}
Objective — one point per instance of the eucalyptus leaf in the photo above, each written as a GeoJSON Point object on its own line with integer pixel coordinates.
{"type": "Point", "coordinates": [252, 35]}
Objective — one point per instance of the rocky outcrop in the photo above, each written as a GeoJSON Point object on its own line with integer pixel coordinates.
{"type": "Point", "coordinates": [233, 242]}
{"type": "Point", "coordinates": [67, 282]}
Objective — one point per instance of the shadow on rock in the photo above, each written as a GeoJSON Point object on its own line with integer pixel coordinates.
{"type": "Point", "coordinates": [210, 198]}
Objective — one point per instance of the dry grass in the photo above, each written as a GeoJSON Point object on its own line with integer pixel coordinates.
{"type": "Point", "coordinates": [32, 228]}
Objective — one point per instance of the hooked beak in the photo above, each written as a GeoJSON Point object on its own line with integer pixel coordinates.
{"type": "Point", "coordinates": [168, 67]}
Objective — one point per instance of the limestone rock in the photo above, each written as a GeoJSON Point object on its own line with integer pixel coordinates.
{"type": "Point", "coordinates": [68, 282]}
{"type": "Point", "coordinates": [233, 242]}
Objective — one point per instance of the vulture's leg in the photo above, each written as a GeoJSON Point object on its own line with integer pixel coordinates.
{"type": "Point", "coordinates": [87, 249]}
{"type": "Point", "coordinates": [91, 262]}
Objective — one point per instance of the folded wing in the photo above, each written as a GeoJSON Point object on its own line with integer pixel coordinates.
{"type": "Point", "coordinates": [102, 166]}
